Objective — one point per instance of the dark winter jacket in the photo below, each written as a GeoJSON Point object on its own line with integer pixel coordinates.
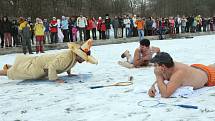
{"type": "Point", "coordinates": [0, 27]}
{"type": "Point", "coordinates": [15, 28]}
{"type": "Point", "coordinates": [46, 25]}
{"type": "Point", "coordinates": [121, 22]}
{"type": "Point", "coordinates": [6, 26]}
{"type": "Point", "coordinates": [115, 23]}
{"type": "Point", "coordinates": [149, 24]}
{"type": "Point", "coordinates": [107, 23]}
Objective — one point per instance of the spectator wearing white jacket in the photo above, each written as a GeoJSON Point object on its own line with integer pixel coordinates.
{"type": "Point", "coordinates": [82, 23]}
{"type": "Point", "coordinates": [65, 29]}
{"type": "Point", "coordinates": [127, 24]}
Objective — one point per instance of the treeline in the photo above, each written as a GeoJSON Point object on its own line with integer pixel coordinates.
{"type": "Point", "coordinates": [49, 8]}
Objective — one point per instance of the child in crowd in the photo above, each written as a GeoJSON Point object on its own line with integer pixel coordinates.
{"type": "Point", "coordinates": [39, 31]}
{"type": "Point", "coordinates": [25, 33]}
{"type": "Point", "coordinates": [74, 33]}
{"type": "Point", "coordinates": [103, 30]}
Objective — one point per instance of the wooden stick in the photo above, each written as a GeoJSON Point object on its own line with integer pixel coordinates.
{"type": "Point", "coordinates": [129, 82]}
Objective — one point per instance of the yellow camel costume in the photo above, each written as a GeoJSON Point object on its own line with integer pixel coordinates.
{"type": "Point", "coordinates": [36, 67]}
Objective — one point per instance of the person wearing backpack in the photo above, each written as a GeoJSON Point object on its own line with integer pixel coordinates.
{"type": "Point", "coordinates": [25, 32]}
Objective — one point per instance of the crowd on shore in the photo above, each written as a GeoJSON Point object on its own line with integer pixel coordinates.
{"type": "Point", "coordinates": [26, 32]}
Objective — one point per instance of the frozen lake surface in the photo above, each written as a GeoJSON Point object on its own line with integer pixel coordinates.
{"type": "Point", "coordinates": [38, 100]}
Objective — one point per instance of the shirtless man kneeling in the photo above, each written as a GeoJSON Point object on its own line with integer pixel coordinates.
{"type": "Point", "coordinates": [179, 74]}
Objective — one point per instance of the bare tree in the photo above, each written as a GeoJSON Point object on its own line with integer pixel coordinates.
{"type": "Point", "coordinates": [49, 8]}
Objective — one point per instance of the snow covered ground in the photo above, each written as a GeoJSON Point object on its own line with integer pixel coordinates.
{"type": "Point", "coordinates": [39, 100]}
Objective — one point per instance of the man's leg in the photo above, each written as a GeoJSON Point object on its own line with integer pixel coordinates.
{"type": "Point", "coordinates": [142, 34]}
{"type": "Point", "coordinates": [212, 66]}
{"type": "Point", "coordinates": [139, 34]}
{"type": "Point", "coordinates": [126, 64]}
{"type": "Point", "coordinates": [127, 55]}
{"type": "Point", "coordinates": [28, 44]}
{"type": "Point", "coordinates": [80, 34]}
{"type": "Point", "coordinates": [3, 73]}
{"type": "Point", "coordinates": [5, 68]}
{"type": "Point", "coordinates": [115, 33]}
{"type": "Point", "coordinates": [84, 31]}
{"type": "Point", "coordinates": [48, 36]}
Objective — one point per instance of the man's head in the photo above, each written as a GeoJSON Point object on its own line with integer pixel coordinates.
{"type": "Point", "coordinates": [14, 21]}
{"type": "Point", "coordinates": [83, 52]}
{"type": "Point", "coordinates": [37, 20]}
{"type": "Point", "coordinates": [21, 20]}
{"type": "Point", "coordinates": [63, 17]}
{"type": "Point", "coordinates": [79, 59]}
{"type": "Point", "coordinates": [144, 44]}
{"type": "Point", "coordinates": [29, 19]}
{"type": "Point", "coordinates": [45, 20]}
{"type": "Point", "coordinates": [163, 58]}
{"type": "Point", "coordinates": [5, 18]}
{"type": "Point", "coordinates": [106, 15]}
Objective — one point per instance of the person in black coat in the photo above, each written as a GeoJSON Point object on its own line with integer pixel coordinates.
{"type": "Point", "coordinates": [15, 30]}
{"type": "Point", "coordinates": [6, 30]}
{"type": "Point", "coordinates": [107, 24]}
{"type": "Point", "coordinates": [1, 34]}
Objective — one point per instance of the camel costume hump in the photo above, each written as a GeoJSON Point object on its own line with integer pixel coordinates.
{"type": "Point", "coordinates": [36, 67]}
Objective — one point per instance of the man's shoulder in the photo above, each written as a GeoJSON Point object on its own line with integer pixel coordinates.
{"type": "Point", "coordinates": [152, 47]}
{"type": "Point", "coordinates": [137, 49]}
{"type": "Point", "coordinates": [181, 68]}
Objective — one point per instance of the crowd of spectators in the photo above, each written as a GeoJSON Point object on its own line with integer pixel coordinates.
{"type": "Point", "coordinates": [26, 32]}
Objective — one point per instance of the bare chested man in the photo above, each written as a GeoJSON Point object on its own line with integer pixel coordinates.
{"type": "Point", "coordinates": [142, 55]}
{"type": "Point", "coordinates": [179, 74]}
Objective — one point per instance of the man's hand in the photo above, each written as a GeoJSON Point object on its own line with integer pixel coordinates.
{"type": "Point", "coordinates": [152, 91]}
{"type": "Point", "coordinates": [59, 81]}
{"type": "Point", "coordinates": [70, 75]}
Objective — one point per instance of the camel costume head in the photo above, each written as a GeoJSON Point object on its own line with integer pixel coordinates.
{"type": "Point", "coordinates": [83, 51]}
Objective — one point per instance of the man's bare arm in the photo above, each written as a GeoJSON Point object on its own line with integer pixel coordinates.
{"type": "Point", "coordinates": [68, 72]}
{"type": "Point", "coordinates": [152, 90]}
{"type": "Point", "coordinates": [140, 61]}
{"type": "Point", "coordinates": [174, 83]}
{"type": "Point", "coordinates": [155, 50]}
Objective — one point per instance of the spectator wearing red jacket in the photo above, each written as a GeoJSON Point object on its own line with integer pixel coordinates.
{"type": "Point", "coordinates": [99, 23]}
{"type": "Point", "coordinates": [103, 30]}
{"type": "Point", "coordinates": [53, 30]}
{"type": "Point", "coordinates": [89, 27]}
{"type": "Point", "coordinates": [94, 25]}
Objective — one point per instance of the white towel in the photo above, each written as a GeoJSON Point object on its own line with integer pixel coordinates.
{"type": "Point", "coordinates": [184, 91]}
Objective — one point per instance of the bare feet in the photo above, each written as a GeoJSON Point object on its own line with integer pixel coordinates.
{"type": "Point", "coordinates": [125, 54]}
{"type": "Point", "coordinates": [70, 75]}
{"type": "Point", "coordinates": [60, 81]}
{"type": "Point", "coordinates": [6, 66]}
{"type": "Point", "coordinates": [130, 78]}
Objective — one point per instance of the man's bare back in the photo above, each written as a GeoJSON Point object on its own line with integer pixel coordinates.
{"type": "Point", "coordinates": [178, 75]}
{"type": "Point", "coordinates": [191, 76]}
